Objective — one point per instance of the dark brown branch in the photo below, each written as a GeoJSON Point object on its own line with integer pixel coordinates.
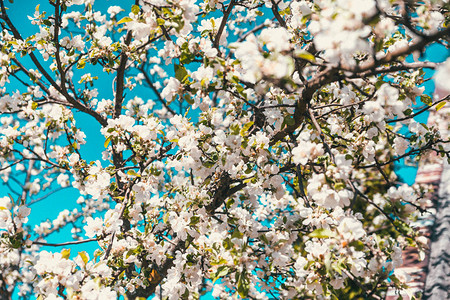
{"type": "Point", "coordinates": [222, 24]}
{"type": "Point", "coordinates": [402, 67]}
{"type": "Point", "coordinates": [409, 153]}
{"type": "Point", "coordinates": [120, 78]}
{"type": "Point", "coordinates": [277, 14]}
{"type": "Point", "coordinates": [64, 244]}
{"type": "Point", "coordinates": [327, 76]}
{"type": "Point", "coordinates": [391, 56]}
{"type": "Point", "coordinates": [419, 112]}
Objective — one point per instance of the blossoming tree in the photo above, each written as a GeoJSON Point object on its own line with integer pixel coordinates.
{"type": "Point", "coordinates": [248, 146]}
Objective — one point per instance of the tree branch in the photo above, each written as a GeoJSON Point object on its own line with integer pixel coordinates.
{"type": "Point", "coordinates": [222, 24]}
{"type": "Point", "coordinates": [36, 62]}
{"type": "Point", "coordinates": [277, 14]}
{"type": "Point", "coordinates": [120, 78]}
{"type": "Point", "coordinates": [64, 244]}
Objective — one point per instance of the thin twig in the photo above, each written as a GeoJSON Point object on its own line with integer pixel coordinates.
{"type": "Point", "coordinates": [64, 244]}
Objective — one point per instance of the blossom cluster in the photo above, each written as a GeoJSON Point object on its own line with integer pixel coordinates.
{"type": "Point", "coordinates": [248, 147]}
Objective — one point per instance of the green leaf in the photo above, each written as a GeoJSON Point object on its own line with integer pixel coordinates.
{"type": "Point", "coordinates": [440, 105]}
{"type": "Point", "coordinates": [243, 285]}
{"type": "Point", "coordinates": [239, 88]}
{"type": "Point", "coordinates": [81, 64]}
{"type": "Point", "coordinates": [188, 99]}
{"type": "Point", "coordinates": [83, 256]}
{"type": "Point", "coordinates": [264, 238]}
{"type": "Point", "coordinates": [426, 99]}
{"type": "Point", "coordinates": [107, 141]}
{"type": "Point", "coordinates": [186, 57]}
{"type": "Point", "coordinates": [334, 297]}
{"type": "Point", "coordinates": [125, 20]}
{"type": "Point", "coordinates": [305, 55]}
{"type": "Point", "coordinates": [339, 186]}
{"type": "Point", "coordinates": [133, 173]}
{"type": "Point", "coordinates": [113, 187]}
{"type": "Point", "coordinates": [289, 120]}
{"type": "Point", "coordinates": [180, 72]}
{"type": "Point", "coordinates": [408, 112]}
{"type": "Point", "coordinates": [160, 21]}
{"type": "Point", "coordinates": [221, 271]}
{"type": "Point", "coordinates": [220, 262]}
{"type": "Point", "coordinates": [166, 218]}
{"type": "Point", "coordinates": [328, 263]}
{"type": "Point", "coordinates": [135, 9]}
{"type": "Point", "coordinates": [322, 233]}
{"type": "Point", "coordinates": [337, 268]}
{"type": "Point", "coordinates": [237, 234]}
{"type": "Point", "coordinates": [65, 253]}
{"type": "Point", "coordinates": [16, 241]}
{"type": "Point", "coordinates": [378, 84]}
{"type": "Point", "coordinates": [194, 220]}
{"type": "Point", "coordinates": [246, 127]}
{"type": "Point", "coordinates": [34, 105]}
{"type": "Point", "coordinates": [234, 129]}
{"type": "Point", "coordinates": [227, 244]}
